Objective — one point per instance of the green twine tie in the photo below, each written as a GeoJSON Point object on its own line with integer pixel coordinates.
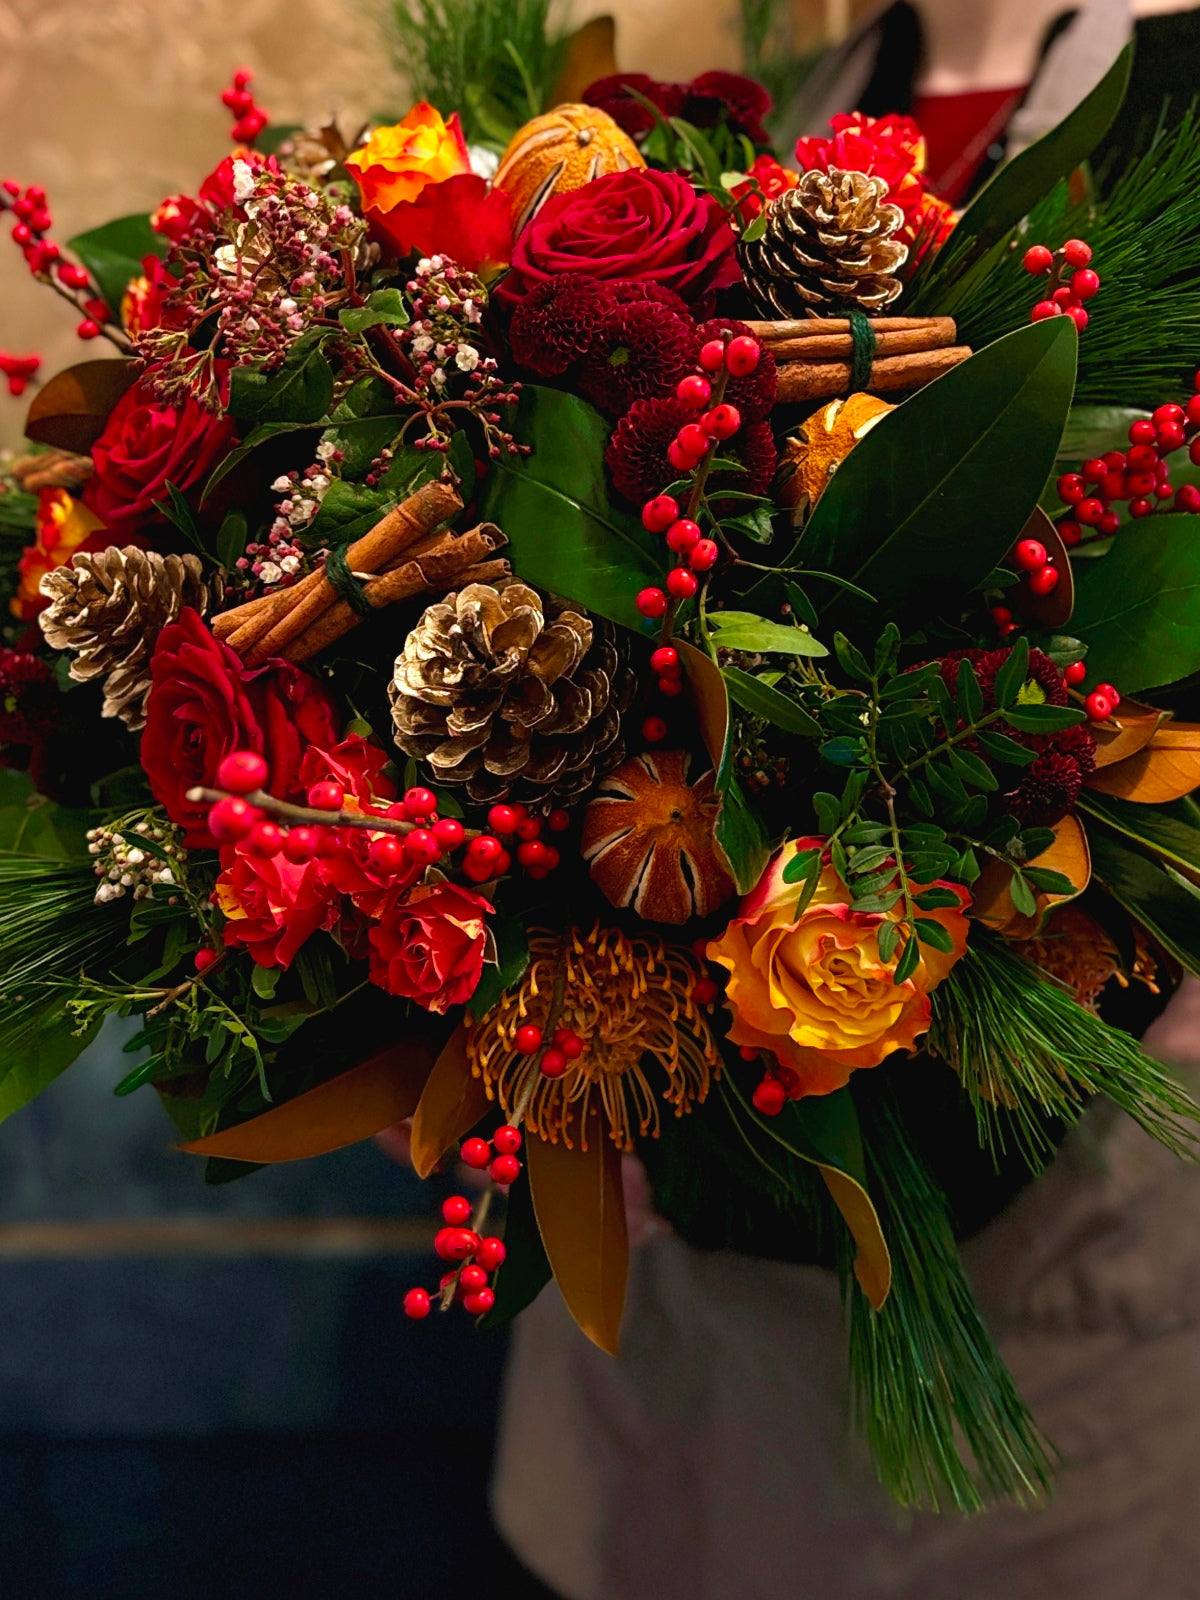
{"type": "Point", "coordinates": [351, 589]}
{"type": "Point", "coordinates": [862, 335]}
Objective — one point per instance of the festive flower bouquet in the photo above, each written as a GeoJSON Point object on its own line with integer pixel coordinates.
{"type": "Point", "coordinates": [488, 652]}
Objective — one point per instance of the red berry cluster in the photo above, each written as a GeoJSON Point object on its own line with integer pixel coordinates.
{"type": "Point", "coordinates": [691, 453]}
{"type": "Point", "coordinates": [473, 1257]}
{"type": "Point", "coordinates": [778, 1085]}
{"type": "Point", "coordinates": [18, 370]}
{"type": "Point", "coordinates": [250, 119]}
{"type": "Point", "coordinates": [1140, 475]}
{"type": "Point", "coordinates": [1101, 702]}
{"type": "Point", "coordinates": [1072, 280]}
{"type": "Point", "coordinates": [418, 837]}
{"type": "Point", "coordinates": [45, 260]}
{"type": "Point", "coordinates": [1039, 574]}
{"type": "Point", "coordinates": [565, 1046]}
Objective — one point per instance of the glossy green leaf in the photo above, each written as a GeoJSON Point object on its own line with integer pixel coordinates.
{"type": "Point", "coordinates": [256, 437]}
{"type": "Point", "coordinates": [1093, 430]}
{"type": "Point", "coordinates": [525, 1271]}
{"type": "Point", "coordinates": [917, 513]}
{"type": "Point", "coordinates": [1139, 607]}
{"type": "Point", "coordinates": [1154, 895]}
{"type": "Point", "coordinates": [762, 700]}
{"type": "Point", "coordinates": [565, 532]}
{"type": "Point", "coordinates": [33, 826]}
{"type": "Point", "coordinates": [113, 255]}
{"type": "Point", "coordinates": [1042, 718]}
{"type": "Point", "coordinates": [768, 636]}
{"type": "Point", "coordinates": [1171, 831]}
{"type": "Point", "coordinates": [299, 391]}
{"type": "Point", "coordinates": [384, 308]}
{"type": "Point", "coordinates": [512, 957]}
{"type": "Point", "coordinates": [48, 1048]}
{"type": "Point", "coordinates": [347, 512]}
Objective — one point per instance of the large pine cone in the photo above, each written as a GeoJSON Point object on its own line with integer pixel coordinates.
{"type": "Point", "coordinates": [512, 694]}
{"type": "Point", "coordinates": [828, 246]}
{"type": "Point", "coordinates": [109, 607]}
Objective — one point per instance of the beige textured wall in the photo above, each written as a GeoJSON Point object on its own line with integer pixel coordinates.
{"type": "Point", "coordinates": [112, 104]}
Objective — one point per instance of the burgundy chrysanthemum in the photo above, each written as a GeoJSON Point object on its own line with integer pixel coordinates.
{"type": "Point", "coordinates": [637, 451]}
{"type": "Point", "coordinates": [555, 323]}
{"type": "Point", "coordinates": [742, 101]}
{"type": "Point", "coordinates": [640, 351]}
{"type": "Point", "coordinates": [612, 94]}
{"type": "Point", "coordinates": [1048, 789]}
{"type": "Point", "coordinates": [1080, 744]}
{"type": "Point", "coordinates": [753, 395]}
{"type": "Point", "coordinates": [626, 290]}
{"type": "Point", "coordinates": [987, 664]}
{"type": "Point", "coordinates": [28, 698]}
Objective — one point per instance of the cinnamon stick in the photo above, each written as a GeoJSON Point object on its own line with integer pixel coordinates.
{"type": "Point", "coordinates": [772, 333]}
{"type": "Point", "coordinates": [439, 565]}
{"type": "Point", "coordinates": [801, 380]}
{"type": "Point", "coordinates": [431, 505]}
{"type": "Point", "coordinates": [939, 333]}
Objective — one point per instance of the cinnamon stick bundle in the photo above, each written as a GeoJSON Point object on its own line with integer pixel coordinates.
{"type": "Point", "coordinates": [819, 380]}
{"type": "Point", "coordinates": [772, 333]}
{"type": "Point", "coordinates": [933, 333]}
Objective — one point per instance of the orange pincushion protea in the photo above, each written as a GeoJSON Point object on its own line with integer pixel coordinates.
{"type": "Point", "coordinates": [648, 838]}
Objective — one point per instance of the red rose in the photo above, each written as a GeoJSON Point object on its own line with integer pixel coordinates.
{"type": "Point", "coordinates": [271, 906]}
{"type": "Point", "coordinates": [204, 704]}
{"type": "Point", "coordinates": [357, 764]}
{"type": "Point", "coordinates": [430, 947]}
{"type": "Point", "coordinates": [643, 224]}
{"type": "Point", "coordinates": [146, 445]}
{"type": "Point", "coordinates": [461, 218]}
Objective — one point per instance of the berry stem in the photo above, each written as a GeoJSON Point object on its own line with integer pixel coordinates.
{"type": "Point", "coordinates": [703, 466]}
{"type": "Point", "coordinates": [308, 815]}
{"type": "Point", "coordinates": [479, 1217]}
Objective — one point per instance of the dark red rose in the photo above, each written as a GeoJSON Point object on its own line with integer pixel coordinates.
{"type": "Point", "coordinates": [204, 704]}
{"type": "Point", "coordinates": [146, 445]}
{"type": "Point", "coordinates": [271, 906]}
{"type": "Point", "coordinates": [640, 224]}
{"type": "Point", "coordinates": [430, 946]}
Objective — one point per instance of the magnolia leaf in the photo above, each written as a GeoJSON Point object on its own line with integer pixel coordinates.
{"type": "Point", "coordinates": [525, 1271]}
{"type": "Point", "coordinates": [386, 307]}
{"type": "Point", "coordinates": [580, 1208]}
{"type": "Point", "coordinates": [1172, 831]}
{"type": "Point", "coordinates": [71, 411]}
{"type": "Point", "coordinates": [1127, 731]}
{"type": "Point", "coordinates": [1154, 896]}
{"type": "Point", "coordinates": [1139, 607]}
{"type": "Point", "coordinates": [1093, 430]}
{"type": "Point", "coordinates": [739, 830]}
{"type": "Point", "coordinates": [451, 1103]}
{"type": "Point", "coordinates": [48, 1046]}
{"type": "Point", "coordinates": [992, 898]}
{"type": "Point", "coordinates": [356, 1105]}
{"type": "Point", "coordinates": [590, 53]}
{"type": "Point", "coordinates": [1051, 610]}
{"type": "Point", "coordinates": [1167, 768]}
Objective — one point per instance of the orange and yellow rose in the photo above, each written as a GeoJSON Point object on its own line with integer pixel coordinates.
{"type": "Point", "coordinates": [397, 163]}
{"type": "Point", "coordinates": [813, 990]}
{"type": "Point", "coordinates": [64, 525]}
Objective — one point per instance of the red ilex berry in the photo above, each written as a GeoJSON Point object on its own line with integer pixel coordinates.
{"type": "Point", "coordinates": [1194, 452]}
{"type": "Point", "coordinates": [1192, 411]}
{"type": "Point", "coordinates": [1167, 413]}
{"type": "Point", "coordinates": [1142, 431]}
{"type": "Point", "coordinates": [1089, 511]}
{"type": "Point", "coordinates": [1044, 309]}
{"type": "Point", "coordinates": [694, 391]}
{"type": "Point", "coordinates": [679, 458]}
{"type": "Point", "coordinates": [683, 535]}
{"type": "Point", "coordinates": [703, 556]}
{"type": "Point", "coordinates": [242, 772]}
{"type": "Point", "coordinates": [712, 355]}
{"type": "Point", "coordinates": [553, 1063]}
{"type": "Point", "coordinates": [1085, 283]}
{"type": "Point", "coordinates": [654, 730]}
{"type": "Point", "coordinates": [1109, 693]}
{"type": "Point", "coordinates": [421, 846]}
{"type": "Point", "coordinates": [1071, 488]}
{"type": "Point", "coordinates": [89, 328]}
{"type": "Point", "coordinates": [692, 440]}
{"type": "Point", "coordinates": [1078, 316]}
{"type": "Point", "coordinates": [455, 1244]}
{"type": "Point", "coordinates": [503, 820]}
{"type": "Point", "coordinates": [330, 842]}
{"type": "Point", "coordinates": [1070, 532]}
{"type": "Point", "coordinates": [559, 820]}
{"type": "Point", "coordinates": [1140, 482]}
{"type": "Point", "coordinates": [1044, 580]}
{"type": "Point", "coordinates": [476, 1152]}
{"type": "Point", "coordinates": [682, 583]}
{"type": "Point", "coordinates": [507, 1140]}
{"type": "Point", "coordinates": [485, 850]}
{"type": "Point", "coordinates": [670, 687]}
{"type": "Point", "coordinates": [1187, 498]}
{"type": "Point", "coordinates": [528, 1038]}
{"type": "Point", "coordinates": [529, 828]}
{"type": "Point", "coordinates": [1115, 460]}
{"type": "Point", "coordinates": [1112, 486]}
{"type": "Point", "coordinates": [471, 1279]}
{"type": "Point", "coordinates": [416, 1304]}
{"type": "Point", "coordinates": [1077, 252]}
{"type": "Point", "coordinates": [204, 957]}
{"type": "Point", "coordinates": [456, 1210]}
{"type": "Point", "coordinates": [1163, 491]}
{"type": "Point", "coordinates": [232, 819]}
{"type": "Point", "coordinates": [326, 795]}
{"type": "Point", "coordinates": [571, 1045]}
{"type": "Point", "coordinates": [387, 855]}
{"type": "Point", "coordinates": [1030, 554]}
{"type": "Point", "coordinates": [1094, 470]}
{"type": "Point", "coordinates": [1108, 524]}
{"type": "Point", "coordinates": [1001, 615]}
{"type": "Point", "coordinates": [264, 840]}
{"type": "Point", "coordinates": [1098, 706]}
{"type": "Point", "coordinates": [769, 1097]}
{"type": "Point", "coordinates": [742, 356]}
{"type": "Point", "coordinates": [300, 845]}
{"type": "Point", "coordinates": [71, 276]}
{"type": "Point", "coordinates": [1142, 458]}
{"type": "Point", "coordinates": [1140, 507]}
{"type": "Point", "coordinates": [722, 422]}
{"type": "Point", "coordinates": [1037, 260]}
{"type": "Point", "coordinates": [665, 661]}
{"type": "Point", "coordinates": [532, 853]}
{"type": "Point", "coordinates": [1075, 673]}
{"type": "Point", "coordinates": [1171, 436]}
{"type": "Point", "coordinates": [420, 803]}
{"type": "Point", "coordinates": [448, 831]}
{"type": "Point", "coordinates": [478, 1302]}
{"type": "Point", "coordinates": [658, 514]}
{"type": "Point", "coordinates": [505, 1169]}
{"type": "Point", "coordinates": [651, 603]}
{"type": "Point", "coordinates": [1064, 298]}
{"type": "Point", "coordinates": [491, 1253]}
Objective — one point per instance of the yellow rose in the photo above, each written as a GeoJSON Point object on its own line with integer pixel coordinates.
{"type": "Point", "coordinates": [396, 163]}
{"type": "Point", "coordinates": [812, 989]}
{"type": "Point", "coordinates": [64, 525]}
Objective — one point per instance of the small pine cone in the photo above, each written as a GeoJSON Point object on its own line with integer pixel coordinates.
{"type": "Point", "coordinates": [109, 607]}
{"type": "Point", "coordinates": [511, 694]}
{"type": "Point", "coordinates": [829, 245]}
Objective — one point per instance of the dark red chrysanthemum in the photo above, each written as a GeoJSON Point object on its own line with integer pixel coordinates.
{"type": "Point", "coordinates": [1049, 677]}
{"type": "Point", "coordinates": [741, 101]}
{"type": "Point", "coordinates": [625, 290]}
{"type": "Point", "coordinates": [637, 451]}
{"type": "Point", "coordinates": [28, 698]}
{"type": "Point", "coordinates": [640, 351]}
{"type": "Point", "coordinates": [1080, 744]}
{"type": "Point", "coordinates": [612, 94]}
{"type": "Point", "coordinates": [987, 664]}
{"type": "Point", "coordinates": [555, 323]}
{"type": "Point", "coordinates": [1048, 789]}
{"type": "Point", "coordinates": [753, 395]}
